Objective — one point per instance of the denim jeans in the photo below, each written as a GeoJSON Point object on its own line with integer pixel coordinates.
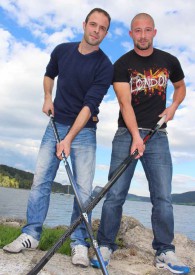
{"type": "Point", "coordinates": [83, 150]}
{"type": "Point", "coordinates": [157, 164]}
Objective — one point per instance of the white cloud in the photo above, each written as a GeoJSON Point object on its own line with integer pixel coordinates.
{"type": "Point", "coordinates": [22, 66]}
{"type": "Point", "coordinates": [183, 182]}
{"type": "Point", "coordinates": [102, 167]}
{"type": "Point", "coordinates": [57, 38]}
{"type": "Point", "coordinates": [182, 129]}
{"type": "Point", "coordinates": [107, 126]}
{"type": "Point", "coordinates": [119, 31]}
{"type": "Point", "coordinates": [126, 45]}
{"type": "Point", "coordinates": [6, 40]}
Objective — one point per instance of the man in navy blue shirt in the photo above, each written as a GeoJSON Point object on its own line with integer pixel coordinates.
{"type": "Point", "coordinates": [84, 76]}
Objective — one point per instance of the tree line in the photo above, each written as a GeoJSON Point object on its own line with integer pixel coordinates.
{"type": "Point", "coordinates": [16, 178]}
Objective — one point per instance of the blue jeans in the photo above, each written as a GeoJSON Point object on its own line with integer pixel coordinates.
{"type": "Point", "coordinates": [83, 150]}
{"type": "Point", "coordinates": [157, 165]}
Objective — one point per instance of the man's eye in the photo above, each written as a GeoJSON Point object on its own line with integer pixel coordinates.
{"type": "Point", "coordinates": [103, 28]}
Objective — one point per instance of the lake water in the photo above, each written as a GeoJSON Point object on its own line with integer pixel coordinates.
{"type": "Point", "coordinates": [13, 203]}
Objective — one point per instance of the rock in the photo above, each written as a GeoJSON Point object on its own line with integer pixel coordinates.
{"type": "Point", "coordinates": [12, 221]}
{"type": "Point", "coordinates": [135, 257]}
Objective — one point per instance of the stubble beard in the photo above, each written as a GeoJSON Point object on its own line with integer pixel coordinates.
{"type": "Point", "coordinates": [90, 42]}
{"type": "Point", "coordinates": [143, 48]}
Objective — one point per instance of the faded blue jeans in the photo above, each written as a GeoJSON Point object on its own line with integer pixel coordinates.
{"type": "Point", "coordinates": [157, 164]}
{"type": "Point", "coordinates": [83, 150]}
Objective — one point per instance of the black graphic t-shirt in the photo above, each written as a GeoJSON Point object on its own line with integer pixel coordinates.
{"type": "Point", "coordinates": [148, 78]}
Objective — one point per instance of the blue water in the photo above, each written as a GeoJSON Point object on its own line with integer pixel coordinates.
{"type": "Point", "coordinates": [13, 203]}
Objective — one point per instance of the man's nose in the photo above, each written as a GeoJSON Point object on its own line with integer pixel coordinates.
{"type": "Point", "coordinates": [97, 29]}
{"type": "Point", "coordinates": [143, 33]}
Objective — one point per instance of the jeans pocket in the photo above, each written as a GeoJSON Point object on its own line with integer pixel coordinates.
{"type": "Point", "coordinates": [121, 131]}
{"type": "Point", "coordinates": [162, 133]}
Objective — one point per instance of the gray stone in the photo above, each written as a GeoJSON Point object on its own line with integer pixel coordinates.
{"type": "Point", "coordinates": [134, 258]}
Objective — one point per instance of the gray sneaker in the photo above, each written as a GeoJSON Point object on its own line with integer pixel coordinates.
{"type": "Point", "coordinates": [106, 254]}
{"type": "Point", "coordinates": [80, 255]}
{"type": "Point", "coordinates": [24, 241]}
{"type": "Point", "coordinates": [168, 260]}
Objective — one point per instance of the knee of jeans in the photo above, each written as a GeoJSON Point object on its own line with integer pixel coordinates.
{"type": "Point", "coordinates": [163, 206]}
{"type": "Point", "coordinates": [115, 198]}
{"type": "Point", "coordinates": [38, 192]}
{"type": "Point", "coordinates": [163, 199]}
{"type": "Point", "coordinates": [45, 173]}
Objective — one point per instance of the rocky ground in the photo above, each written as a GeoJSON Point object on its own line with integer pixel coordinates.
{"type": "Point", "coordinates": [136, 258]}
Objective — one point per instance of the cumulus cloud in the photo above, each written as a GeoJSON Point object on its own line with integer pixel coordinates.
{"type": "Point", "coordinates": [118, 31]}
{"type": "Point", "coordinates": [23, 62]}
{"type": "Point", "coordinates": [108, 116]}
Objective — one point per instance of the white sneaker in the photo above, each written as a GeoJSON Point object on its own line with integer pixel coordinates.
{"type": "Point", "coordinates": [24, 241]}
{"type": "Point", "coordinates": [80, 255]}
{"type": "Point", "coordinates": [106, 254]}
{"type": "Point", "coordinates": [168, 260]}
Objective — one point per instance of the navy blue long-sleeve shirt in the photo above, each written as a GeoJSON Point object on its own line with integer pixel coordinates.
{"type": "Point", "coordinates": [83, 80]}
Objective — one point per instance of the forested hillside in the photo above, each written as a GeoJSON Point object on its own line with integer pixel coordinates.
{"type": "Point", "coordinates": [187, 198]}
{"type": "Point", "coordinates": [15, 178]}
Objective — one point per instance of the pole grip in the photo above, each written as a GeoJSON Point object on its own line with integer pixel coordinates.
{"type": "Point", "coordinates": [161, 121]}
{"type": "Point", "coordinates": [50, 113]}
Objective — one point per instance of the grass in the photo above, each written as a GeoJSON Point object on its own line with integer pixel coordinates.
{"type": "Point", "coordinates": [48, 238]}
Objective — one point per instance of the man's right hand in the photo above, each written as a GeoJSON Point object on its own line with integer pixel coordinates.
{"type": "Point", "coordinates": [139, 145]}
{"type": "Point", "coordinates": [63, 146]}
{"type": "Point", "coordinates": [48, 106]}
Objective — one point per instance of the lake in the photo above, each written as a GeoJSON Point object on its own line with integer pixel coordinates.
{"type": "Point", "coordinates": [13, 204]}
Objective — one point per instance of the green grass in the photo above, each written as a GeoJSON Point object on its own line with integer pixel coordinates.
{"type": "Point", "coordinates": [48, 238]}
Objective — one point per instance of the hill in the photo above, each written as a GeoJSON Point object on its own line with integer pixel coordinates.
{"type": "Point", "coordinates": [187, 198]}
{"type": "Point", "coordinates": [16, 178]}
{"type": "Point", "coordinates": [184, 198]}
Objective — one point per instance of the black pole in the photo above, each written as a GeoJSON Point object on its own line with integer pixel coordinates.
{"type": "Point", "coordinates": [81, 208]}
{"type": "Point", "coordinates": [118, 172]}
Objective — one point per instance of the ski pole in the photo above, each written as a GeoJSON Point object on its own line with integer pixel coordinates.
{"type": "Point", "coordinates": [81, 208]}
{"type": "Point", "coordinates": [118, 172]}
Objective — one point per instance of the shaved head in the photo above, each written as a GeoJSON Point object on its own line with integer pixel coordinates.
{"type": "Point", "coordinates": [142, 32]}
{"type": "Point", "coordinates": [142, 16]}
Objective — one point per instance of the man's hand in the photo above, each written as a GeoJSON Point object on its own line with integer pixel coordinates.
{"type": "Point", "coordinates": [63, 146]}
{"type": "Point", "coordinates": [178, 97]}
{"type": "Point", "coordinates": [139, 145]}
{"type": "Point", "coordinates": [169, 112]}
{"type": "Point", "coordinates": [48, 84]}
{"type": "Point", "coordinates": [48, 106]}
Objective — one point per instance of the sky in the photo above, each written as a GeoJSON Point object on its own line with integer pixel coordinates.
{"type": "Point", "coordinates": [29, 30]}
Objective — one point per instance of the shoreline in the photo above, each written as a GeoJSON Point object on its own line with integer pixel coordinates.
{"type": "Point", "coordinates": [134, 200]}
{"type": "Point", "coordinates": [135, 258]}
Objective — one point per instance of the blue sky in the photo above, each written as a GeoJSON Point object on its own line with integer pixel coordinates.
{"type": "Point", "coordinates": [29, 31]}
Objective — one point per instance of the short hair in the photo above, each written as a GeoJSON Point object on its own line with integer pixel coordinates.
{"type": "Point", "coordinates": [142, 15]}
{"type": "Point", "coordinates": [101, 11]}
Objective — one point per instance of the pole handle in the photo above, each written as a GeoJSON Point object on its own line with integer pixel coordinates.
{"type": "Point", "coordinates": [161, 121]}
